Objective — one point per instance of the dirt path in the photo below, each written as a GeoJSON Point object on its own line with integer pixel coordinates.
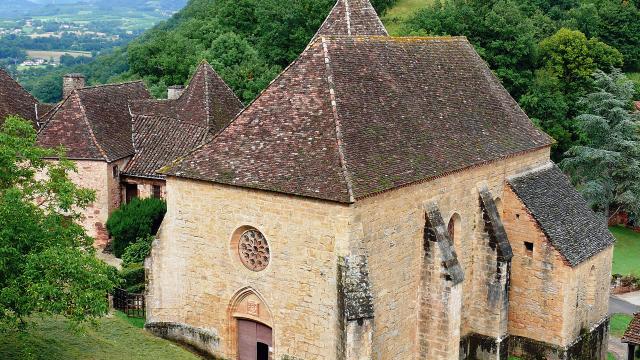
{"type": "Point", "coordinates": [617, 348]}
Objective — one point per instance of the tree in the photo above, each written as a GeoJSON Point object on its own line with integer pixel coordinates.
{"type": "Point", "coordinates": [239, 64]}
{"type": "Point", "coordinates": [606, 168]}
{"type": "Point", "coordinates": [47, 262]}
{"type": "Point", "coordinates": [573, 59]}
{"type": "Point", "coordinates": [546, 105]}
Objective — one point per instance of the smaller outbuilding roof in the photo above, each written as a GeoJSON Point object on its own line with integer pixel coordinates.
{"type": "Point", "coordinates": [207, 102]}
{"type": "Point", "coordinates": [15, 100]}
{"type": "Point", "coordinates": [158, 141]}
{"type": "Point", "coordinates": [637, 105]}
{"type": "Point", "coordinates": [562, 213]}
{"type": "Point", "coordinates": [94, 122]}
{"type": "Point", "coordinates": [632, 335]}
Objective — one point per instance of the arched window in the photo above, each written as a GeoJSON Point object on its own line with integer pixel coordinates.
{"type": "Point", "coordinates": [454, 228]}
{"type": "Point", "coordinates": [591, 287]}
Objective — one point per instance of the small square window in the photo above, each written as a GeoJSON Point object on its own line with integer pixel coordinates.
{"type": "Point", "coordinates": [157, 191]}
{"type": "Point", "coordinates": [115, 171]}
{"type": "Point", "coordinates": [528, 246]}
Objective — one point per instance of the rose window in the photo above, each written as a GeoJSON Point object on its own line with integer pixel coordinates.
{"type": "Point", "coordinates": [253, 250]}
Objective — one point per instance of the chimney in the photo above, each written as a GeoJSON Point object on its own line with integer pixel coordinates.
{"type": "Point", "coordinates": [174, 92]}
{"type": "Point", "coordinates": [72, 82]}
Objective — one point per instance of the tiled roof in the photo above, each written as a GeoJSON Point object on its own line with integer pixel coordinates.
{"type": "Point", "coordinates": [562, 213]}
{"type": "Point", "coordinates": [15, 100]}
{"type": "Point", "coordinates": [352, 17]}
{"type": "Point", "coordinates": [632, 334]}
{"type": "Point", "coordinates": [354, 116]}
{"type": "Point", "coordinates": [207, 102]}
{"type": "Point", "coordinates": [94, 122]}
{"type": "Point", "coordinates": [158, 141]}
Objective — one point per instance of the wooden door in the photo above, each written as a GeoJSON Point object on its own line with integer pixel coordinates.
{"type": "Point", "coordinates": [254, 340]}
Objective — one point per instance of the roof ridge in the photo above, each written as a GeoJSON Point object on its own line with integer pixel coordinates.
{"type": "Point", "coordinates": [243, 110]}
{"type": "Point", "coordinates": [336, 119]}
{"type": "Point", "coordinates": [89, 125]}
{"type": "Point", "coordinates": [206, 93]}
{"type": "Point", "coordinates": [108, 85]}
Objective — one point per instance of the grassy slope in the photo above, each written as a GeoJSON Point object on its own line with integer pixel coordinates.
{"type": "Point", "coordinates": [626, 253]}
{"type": "Point", "coordinates": [402, 10]}
{"type": "Point", "coordinates": [619, 324]}
{"type": "Point", "coordinates": [113, 338]}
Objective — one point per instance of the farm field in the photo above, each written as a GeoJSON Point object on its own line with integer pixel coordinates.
{"type": "Point", "coordinates": [55, 54]}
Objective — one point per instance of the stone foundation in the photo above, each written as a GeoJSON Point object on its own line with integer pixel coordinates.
{"type": "Point", "coordinates": [591, 345]}
{"type": "Point", "coordinates": [201, 340]}
{"type": "Point", "coordinates": [481, 347]}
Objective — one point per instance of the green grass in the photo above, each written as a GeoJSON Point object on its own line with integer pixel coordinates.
{"type": "Point", "coordinates": [135, 322]}
{"type": "Point", "coordinates": [626, 253]}
{"type": "Point", "coordinates": [634, 76]}
{"type": "Point", "coordinates": [401, 11]}
{"type": "Point", "coordinates": [113, 338]}
{"type": "Point", "coordinates": [610, 356]}
{"type": "Point", "coordinates": [619, 324]}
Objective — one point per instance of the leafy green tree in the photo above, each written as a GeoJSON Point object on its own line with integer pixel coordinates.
{"type": "Point", "coordinates": [546, 105]}
{"type": "Point", "coordinates": [137, 219]}
{"type": "Point", "coordinates": [573, 59]}
{"type": "Point", "coordinates": [619, 26]}
{"type": "Point", "coordinates": [47, 262]}
{"type": "Point", "coordinates": [240, 65]}
{"type": "Point", "coordinates": [607, 167]}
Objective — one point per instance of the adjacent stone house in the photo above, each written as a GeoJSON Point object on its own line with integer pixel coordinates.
{"type": "Point", "coordinates": [15, 100]}
{"type": "Point", "coordinates": [118, 136]}
{"type": "Point", "coordinates": [164, 130]}
{"type": "Point", "coordinates": [93, 124]}
{"type": "Point", "coordinates": [384, 198]}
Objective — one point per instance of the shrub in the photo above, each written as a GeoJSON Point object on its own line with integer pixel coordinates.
{"type": "Point", "coordinates": [137, 219]}
{"type": "Point", "coordinates": [138, 251]}
{"type": "Point", "coordinates": [133, 278]}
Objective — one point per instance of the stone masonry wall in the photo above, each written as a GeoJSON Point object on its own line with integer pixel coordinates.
{"type": "Point", "coordinates": [551, 302]}
{"type": "Point", "coordinates": [392, 226]}
{"type": "Point", "coordinates": [194, 272]}
{"type": "Point", "coordinates": [145, 187]}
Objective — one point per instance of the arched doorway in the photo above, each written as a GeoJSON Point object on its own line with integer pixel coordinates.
{"type": "Point", "coordinates": [254, 340]}
{"type": "Point", "coordinates": [250, 327]}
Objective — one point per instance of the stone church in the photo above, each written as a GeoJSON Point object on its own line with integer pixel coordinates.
{"type": "Point", "coordinates": [383, 198]}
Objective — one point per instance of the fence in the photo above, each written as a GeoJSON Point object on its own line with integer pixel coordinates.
{"type": "Point", "coordinates": [131, 304]}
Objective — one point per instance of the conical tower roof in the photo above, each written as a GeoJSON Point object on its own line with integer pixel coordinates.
{"type": "Point", "coordinates": [352, 17]}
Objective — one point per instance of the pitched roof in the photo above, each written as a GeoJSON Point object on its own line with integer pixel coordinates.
{"type": "Point", "coordinates": [15, 100]}
{"type": "Point", "coordinates": [632, 334]}
{"type": "Point", "coordinates": [94, 122]}
{"type": "Point", "coordinates": [354, 116]}
{"type": "Point", "coordinates": [352, 17]}
{"type": "Point", "coordinates": [207, 102]}
{"type": "Point", "coordinates": [158, 141]}
{"type": "Point", "coordinates": [562, 213]}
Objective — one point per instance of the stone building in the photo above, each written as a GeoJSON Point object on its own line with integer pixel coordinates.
{"type": "Point", "coordinates": [164, 130]}
{"type": "Point", "coordinates": [15, 100]}
{"type": "Point", "coordinates": [93, 124]}
{"type": "Point", "coordinates": [118, 136]}
{"type": "Point", "coordinates": [384, 198]}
